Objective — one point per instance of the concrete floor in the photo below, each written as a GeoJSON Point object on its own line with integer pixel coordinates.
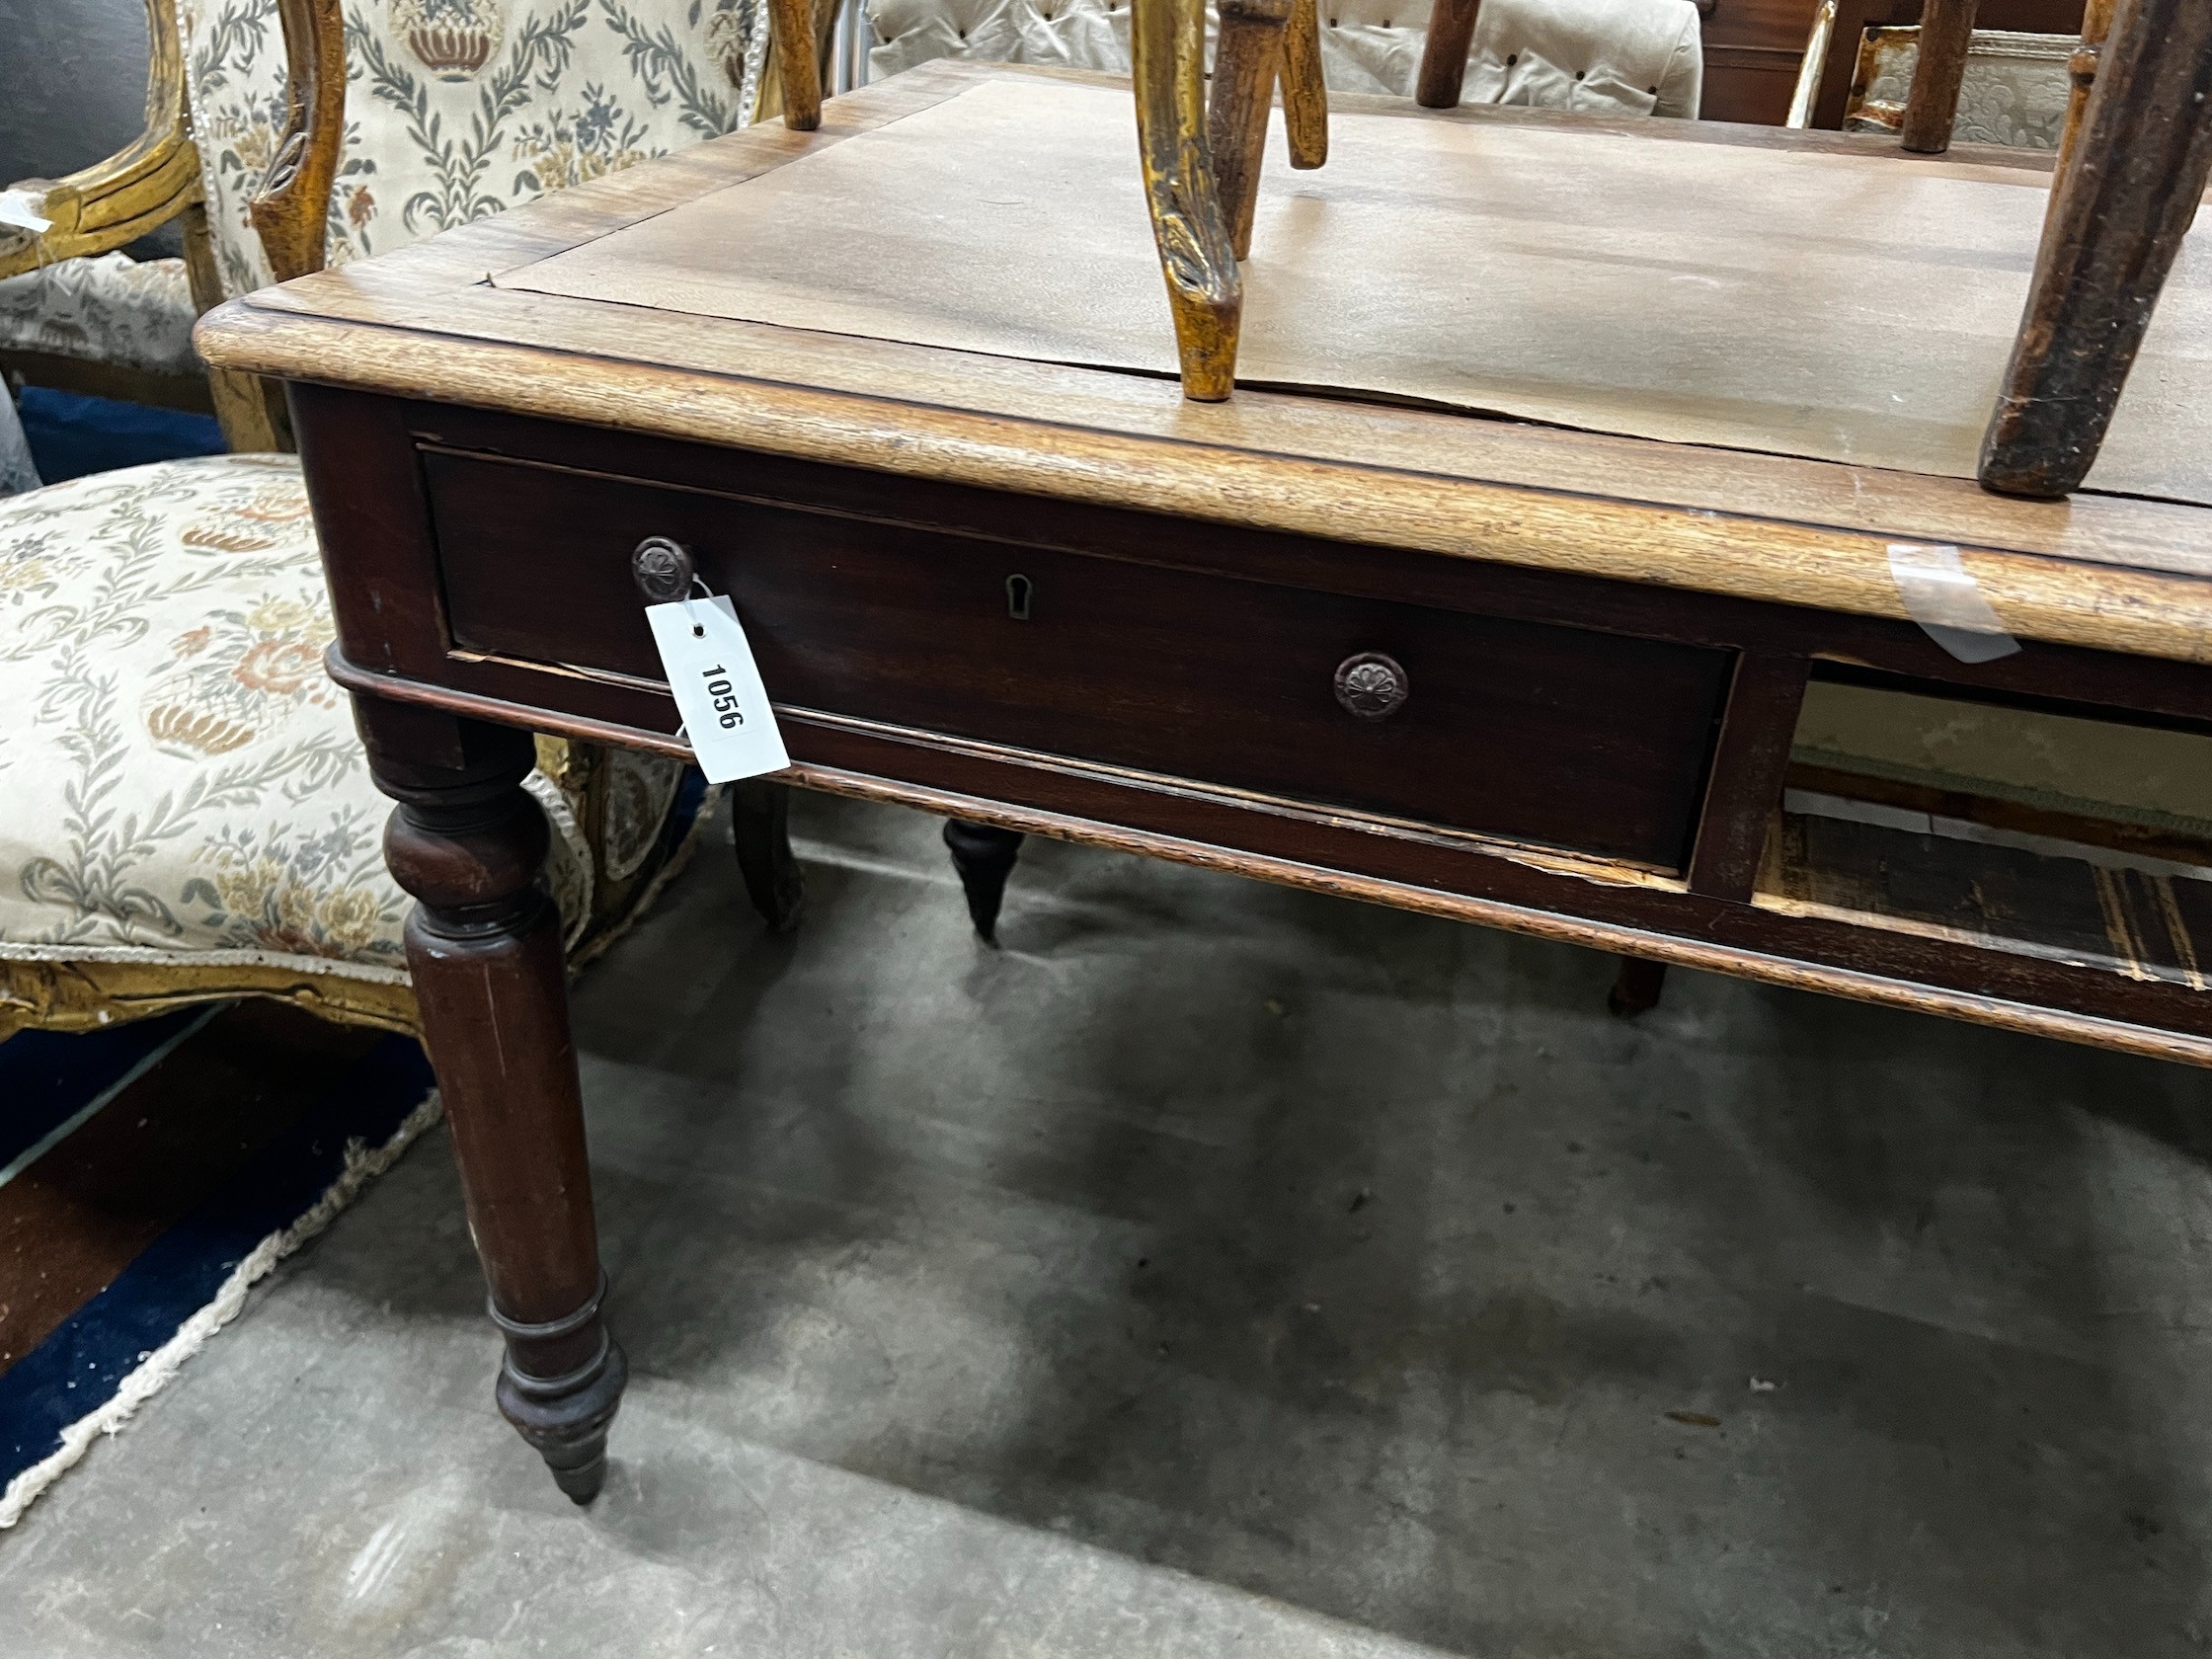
{"type": "Point", "coordinates": [1222, 1270]}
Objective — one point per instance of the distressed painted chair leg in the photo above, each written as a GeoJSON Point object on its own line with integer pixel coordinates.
{"type": "Point", "coordinates": [985, 858]}
{"type": "Point", "coordinates": [484, 946]}
{"type": "Point", "coordinates": [791, 24]}
{"type": "Point", "coordinates": [1306, 97]}
{"type": "Point", "coordinates": [761, 830]}
{"type": "Point", "coordinates": [1946, 30]}
{"type": "Point", "coordinates": [1205, 293]}
{"type": "Point", "coordinates": [1636, 989]}
{"type": "Point", "coordinates": [2117, 217]}
{"type": "Point", "coordinates": [1247, 59]}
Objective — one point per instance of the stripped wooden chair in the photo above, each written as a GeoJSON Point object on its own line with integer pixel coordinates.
{"type": "Point", "coordinates": [184, 809]}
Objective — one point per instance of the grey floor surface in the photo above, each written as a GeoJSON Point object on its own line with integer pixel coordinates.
{"type": "Point", "coordinates": [1222, 1270]}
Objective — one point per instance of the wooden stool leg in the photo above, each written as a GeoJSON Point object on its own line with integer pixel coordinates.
{"type": "Point", "coordinates": [1247, 55]}
{"type": "Point", "coordinates": [985, 858]}
{"type": "Point", "coordinates": [1635, 989]}
{"type": "Point", "coordinates": [760, 832]}
{"type": "Point", "coordinates": [798, 69]}
{"type": "Point", "coordinates": [484, 946]}
{"type": "Point", "coordinates": [2115, 225]}
{"type": "Point", "coordinates": [1305, 95]}
{"type": "Point", "coordinates": [1167, 60]}
{"type": "Point", "coordinates": [1947, 28]}
{"type": "Point", "coordinates": [1444, 56]}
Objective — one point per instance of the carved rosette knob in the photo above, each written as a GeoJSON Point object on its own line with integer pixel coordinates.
{"type": "Point", "coordinates": [663, 570]}
{"type": "Point", "coordinates": [1371, 685]}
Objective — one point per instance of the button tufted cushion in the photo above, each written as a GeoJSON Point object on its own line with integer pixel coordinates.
{"type": "Point", "coordinates": [179, 780]}
{"type": "Point", "coordinates": [456, 108]}
{"type": "Point", "coordinates": [1635, 56]}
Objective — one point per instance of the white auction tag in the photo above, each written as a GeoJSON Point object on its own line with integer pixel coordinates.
{"type": "Point", "coordinates": [717, 688]}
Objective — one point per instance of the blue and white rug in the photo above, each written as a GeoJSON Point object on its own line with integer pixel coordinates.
{"type": "Point", "coordinates": [149, 1174]}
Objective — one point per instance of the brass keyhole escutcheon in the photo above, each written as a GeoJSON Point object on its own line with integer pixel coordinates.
{"type": "Point", "coordinates": [1371, 685]}
{"type": "Point", "coordinates": [1018, 590]}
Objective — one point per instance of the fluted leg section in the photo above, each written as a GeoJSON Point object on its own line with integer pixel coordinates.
{"type": "Point", "coordinates": [484, 945]}
{"type": "Point", "coordinates": [985, 858]}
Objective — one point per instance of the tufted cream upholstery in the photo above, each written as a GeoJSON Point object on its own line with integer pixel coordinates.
{"type": "Point", "coordinates": [1624, 56]}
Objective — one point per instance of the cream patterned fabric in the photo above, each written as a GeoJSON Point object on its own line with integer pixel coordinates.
{"type": "Point", "coordinates": [457, 109]}
{"type": "Point", "coordinates": [1634, 56]}
{"type": "Point", "coordinates": [179, 780]}
{"type": "Point", "coordinates": [111, 309]}
{"type": "Point", "coordinates": [17, 473]}
{"type": "Point", "coordinates": [2014, 91]}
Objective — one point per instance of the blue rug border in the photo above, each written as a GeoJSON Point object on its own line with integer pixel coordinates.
{"type": "Point", "coordinates": [84, 1360]}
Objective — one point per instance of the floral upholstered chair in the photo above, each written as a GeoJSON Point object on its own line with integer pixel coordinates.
{"type": "Point", "coordinates": [455, 109]}
{"type": "Point", "coordinates": [185, 810]}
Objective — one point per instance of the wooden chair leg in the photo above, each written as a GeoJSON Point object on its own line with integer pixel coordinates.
{"type": "Point", "coordinates": [1946, 29]}
{"type": "Point", "coordinates": [484, 947]}
{"type": "Point", "coordinates": [760, 833]}
{"type": "Point", "coordinates": [985, 858]}
{"type": "Point", "coordinates": [1444, 56]}
{"type": "Point", "coordinates": [1635, 989]}
{"type": "Point", "coordinates": [2116, 223]}
{"type": "Point", "coordinates": [2081, 70]}
{"type": "Point", "coordinates": [1167, 60]}
{"type": "Point", "coordinates": [1247, 56]}
{"type": "Point", "coordinates": [1305, 95]}
{"type": "Point", "coordinates": [798, 71]}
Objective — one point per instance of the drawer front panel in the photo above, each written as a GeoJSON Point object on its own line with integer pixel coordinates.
{"type": "Point", "coordinates": [1531, 731]}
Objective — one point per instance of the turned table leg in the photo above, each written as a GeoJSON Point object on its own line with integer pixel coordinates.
{"type": "Point", "coordinates": [484, 945]}
{"type": "Point", "coordinates": [1636, 989]}
{"type": "Point", "coordinates": [985, 858]}
{"type": "Point", "coordinates": [760, 832]}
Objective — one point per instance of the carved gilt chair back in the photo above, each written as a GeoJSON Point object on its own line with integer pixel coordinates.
{"type": "Point", "coordinates": [217, 832]}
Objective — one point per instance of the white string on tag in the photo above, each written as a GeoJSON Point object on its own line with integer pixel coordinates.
{"type": "Point", "coordinates": [1943, 597]}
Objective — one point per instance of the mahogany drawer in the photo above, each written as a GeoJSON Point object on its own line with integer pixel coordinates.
{"type": "Point", "coordinates": [1525, 731]}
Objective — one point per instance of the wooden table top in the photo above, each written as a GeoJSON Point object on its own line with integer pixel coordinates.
{"type": "Point", "coordinates": [2107, 570]}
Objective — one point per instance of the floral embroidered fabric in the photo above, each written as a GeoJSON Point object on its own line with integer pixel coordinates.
{"type": "Point", "coordinates": [112, 309]}
{"type": "Point", "coordinates": [182, 780]}
{"type": "Point", "coordinates": [458, 109]}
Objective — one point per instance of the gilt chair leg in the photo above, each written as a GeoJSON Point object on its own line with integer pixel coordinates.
{"type": "Point", "coordinates": [760, 832]}
{"type": "Point", "coordinates": [985, 858]}
{"type": "Point", "coordinates": [1205, 293]}
{"type": "Point", "coordinates": [1636, 989]}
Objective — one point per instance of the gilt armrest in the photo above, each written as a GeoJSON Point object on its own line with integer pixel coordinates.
{"type": "Point", "coordinates": [140, 188]}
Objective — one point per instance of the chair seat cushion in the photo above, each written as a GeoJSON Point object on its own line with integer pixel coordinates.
{"type": "Point", "coordinates": [113, 309]}
{"type": "Point", "coordinates": [179, 780]}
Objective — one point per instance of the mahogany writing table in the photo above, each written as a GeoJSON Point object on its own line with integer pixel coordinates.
{"type": "Point", "coordinates": [1527, 676]}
